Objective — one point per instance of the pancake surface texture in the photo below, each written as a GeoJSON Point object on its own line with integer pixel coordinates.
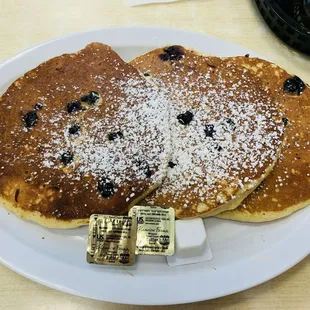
{"type": "Point", "coordinates": [82, 133]}
{"type": "Point", "coordinates": [287, 188]}
{"type": "Point", "coordinates": [226, 131]}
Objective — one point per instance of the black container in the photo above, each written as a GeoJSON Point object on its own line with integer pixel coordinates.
{"type": "Point", "coordinates": [289, 20]}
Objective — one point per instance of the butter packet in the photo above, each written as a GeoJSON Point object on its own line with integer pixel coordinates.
{"type": "Point", "coordinates": [111, 240]}
{"type": "Point", "coordinates": [155, 230]}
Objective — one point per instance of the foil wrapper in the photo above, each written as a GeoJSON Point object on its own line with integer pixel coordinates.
{"type": "Point", "coordinates": [111, 240]}
{"type": "Point", "coordinates": [155, 230]}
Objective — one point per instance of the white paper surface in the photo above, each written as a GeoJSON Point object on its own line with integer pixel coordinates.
{"type": "Point", "coordinates": [141, 2]}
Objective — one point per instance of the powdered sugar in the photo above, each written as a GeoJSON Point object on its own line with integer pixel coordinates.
{"type": "Point", "coordinates": [140, 113]}
{"type": "Point", "coordinates": [245, 138]}
{"type": "Point", "coordinates": [125, 138]}
{"type": "Point", "coordinates": [122, 139]}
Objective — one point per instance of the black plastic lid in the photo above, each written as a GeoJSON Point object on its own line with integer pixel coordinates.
{"type": "Point", "coordinates": [289, 20]}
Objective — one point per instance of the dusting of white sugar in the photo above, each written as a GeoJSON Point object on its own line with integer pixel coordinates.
{"type": "Point", "coordinates": [234, 135]}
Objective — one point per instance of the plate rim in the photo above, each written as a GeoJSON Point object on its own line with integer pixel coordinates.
{"type": "Point", "coordinates": [295, 247]}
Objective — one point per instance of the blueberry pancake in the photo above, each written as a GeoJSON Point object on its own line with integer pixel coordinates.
{"type": "Point", "coordinates": [226, 131]}
{"type": "Point", "coordinates": [82, 133]}
{"type": "Point", "coordinates": [287, 188]}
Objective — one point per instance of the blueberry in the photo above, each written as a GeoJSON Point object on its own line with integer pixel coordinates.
{"type": "Point", "coordinates": [67, 158]}
{"type": "Point", "coordinates": [173, 52]}
{"type": "Point", "coordinates": [185, 118]}
{"type": "Point", "coordinates": [285, 121]}
{"type": "Point", "coordinates": [218, 148]}
{"type": "Point", "coordinates": [231, 123]}
{"type": "Point", "coordinates": [30, 119]}
{"type": "Point", "coordinates": [91, 98]}
{"type": "Point", "coordinates": [290, 86]}
{"type": "Point", "coordinates": [38, 106]}
{"type": "Point", "coordinates": [209, 130]}
{"type": "Point", "coordinates": [145, 167]}
{"type": "Point", "coordinates": [294, 85]}
{"type": "Point", "coordinates": [105, 188]}
{"type": "Point", "coordinates": [74, 106]}
{"type": "Point", "coordinates": [146, 74]}
{"type": "Point", "coordinates": [74, 129]}
{"type": "Point", "coordinates": [114, 135]}
{"type": "Point", "coordinates": [171, 164]}
{"type": "Point", "coordinates": [148, 173]}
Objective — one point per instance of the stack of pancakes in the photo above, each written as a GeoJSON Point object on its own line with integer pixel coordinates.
{"type": "Point", "coordinates": [88, 133]}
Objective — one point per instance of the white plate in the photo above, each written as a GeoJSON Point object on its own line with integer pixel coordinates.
{"type": "Point", "coordinates": [244, 255]}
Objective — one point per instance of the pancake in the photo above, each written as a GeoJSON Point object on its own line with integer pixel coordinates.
{"type": "Point", "coordinates": [226, 131]}
{"type": "Point", "coordinates": [70, 132]}
{"type": "Point", "coordinates": [287, 188]}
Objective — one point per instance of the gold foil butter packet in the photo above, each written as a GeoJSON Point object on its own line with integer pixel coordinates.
{"type": "Point", "coordinates": [111, 240]}
{"type": "Point", "coordinates": [155, 230]}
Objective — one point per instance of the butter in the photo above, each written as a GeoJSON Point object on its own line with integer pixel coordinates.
{"type": "Point", "coordinates": [155, 230]}
{"type": "Point", "coordinates": [111, 240]}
